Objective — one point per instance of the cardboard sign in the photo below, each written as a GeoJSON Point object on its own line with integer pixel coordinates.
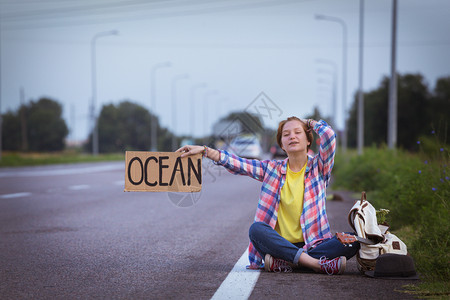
{"type": "Point", "coordinates": [162, 172]}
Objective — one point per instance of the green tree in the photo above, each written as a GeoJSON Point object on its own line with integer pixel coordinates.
{"type": "Point", "coordinates": [11, 136]}
{"type": "Point", "coordinates": [108, 127]}
{"type": "Point", "coordinates": [127, 126]}
{"type": "Point", "coordinates": [46, 128]}
{"type": "Point", "coordinates": [38, 126]}
{"type": "Point", "coordinates": [414, 110]}
{"type": "Point", "coordinates": [414, 107]}
{"type": "Point", "coordinates": [376, 114]}
{"type": "Point", "coordinates": [440, 108]}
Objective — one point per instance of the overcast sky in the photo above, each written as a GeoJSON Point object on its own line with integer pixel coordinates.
{"type": "Point", "coordinates": [238, 48]}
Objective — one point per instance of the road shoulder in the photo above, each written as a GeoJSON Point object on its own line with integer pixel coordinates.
{"type": "Point", "coordinates": [320, 286]}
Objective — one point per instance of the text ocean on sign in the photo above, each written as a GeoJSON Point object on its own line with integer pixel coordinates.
{"type": "Point", "coordinates": [162, 172]}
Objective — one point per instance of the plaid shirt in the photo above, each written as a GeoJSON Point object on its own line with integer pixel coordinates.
{"type": "Point", "coordinates": [272, 173]}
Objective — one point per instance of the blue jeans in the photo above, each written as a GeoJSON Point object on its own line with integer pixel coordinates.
{"type": "Point", "coordinates": [267, 241]}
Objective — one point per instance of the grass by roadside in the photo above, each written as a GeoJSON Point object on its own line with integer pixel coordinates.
{"type": "Point", "coordinates": [431, 286]}
{"type": "Point", "coordinates": [416, 189]}
{"type": "Point", "coordinates": [18, 159]}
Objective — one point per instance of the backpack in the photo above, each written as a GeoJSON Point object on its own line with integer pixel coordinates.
{"type": "Point", "coordinates": [363, 219]}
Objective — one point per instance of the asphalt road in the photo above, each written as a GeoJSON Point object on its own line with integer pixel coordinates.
{"type": "Point", "coordinates": [70, 231]}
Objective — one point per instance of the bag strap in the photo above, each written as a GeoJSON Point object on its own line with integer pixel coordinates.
{"type": "Point", "coordinates": [351, 217]}
{"type": "Point", "coordinates": [356, 210]}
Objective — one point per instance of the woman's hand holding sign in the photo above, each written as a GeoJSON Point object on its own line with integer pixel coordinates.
{"type": "Point", "coordinates": [206, 151]}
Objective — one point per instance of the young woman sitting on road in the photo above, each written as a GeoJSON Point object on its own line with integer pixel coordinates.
{"type": "Point", "coordinates": [291, 227]}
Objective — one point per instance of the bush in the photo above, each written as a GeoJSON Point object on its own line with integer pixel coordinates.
{"type": "Point", "coordinates": [415, 188]}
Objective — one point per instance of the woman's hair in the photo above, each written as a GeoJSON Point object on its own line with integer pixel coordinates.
{"type": "Point", "coordinates": [308, 131]}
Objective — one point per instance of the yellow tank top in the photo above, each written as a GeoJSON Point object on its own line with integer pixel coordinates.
{"type": "Point", "coordinates": [291, 206]}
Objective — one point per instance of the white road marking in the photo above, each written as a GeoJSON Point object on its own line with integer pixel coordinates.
{"type": "Point", "coordinates": [78, 187]}
{"type": "Point", "coordinates": [239, 283]}
{"type": "Point", "coordinates": [15, 195]}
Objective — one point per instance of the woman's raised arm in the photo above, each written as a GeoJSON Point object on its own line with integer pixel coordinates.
{"type": "Point", "coordinates": [206, 151]}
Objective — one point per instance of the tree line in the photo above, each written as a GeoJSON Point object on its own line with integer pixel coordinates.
{"type": "Point", "coordinates": [38, 126]}
{"type": "Point", "coordinates": [420, 112]}
{"type": "Point", "coordinates": [127, 126]}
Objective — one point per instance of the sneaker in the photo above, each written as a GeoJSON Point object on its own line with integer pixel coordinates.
{"type": "Point", "coordinates": [334, 266]}
{"type": "Point", "coordinates": [276, 265]}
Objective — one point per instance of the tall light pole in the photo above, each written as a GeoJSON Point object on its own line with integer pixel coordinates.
{"type": "Point", "coordinates": [344, 73]}
{"type": "Point", "coordinates": [193, 108]}
{"type": "Point", "coordinates": [1, 117]}
{"type": "Point", "coordinates": [94, 87]}
{"type": "Point", "coordinates": [174, 107]}
{"type": "Point", "coordinates": [392, 109]}
{"type": "Point", "coordinates": [153, 130]}
{"type": "Point", "coordinates": [334, 76]}
{"type": "Point", "coordinates": [205, 108]}
{"type": "Point", "coordinates": [360, 129]}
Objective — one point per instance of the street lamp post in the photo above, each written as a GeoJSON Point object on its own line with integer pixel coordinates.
{"type": "Point", "coordinates": [193, 89]}
{"type": "Point", "coordinates": [94, 87]}
{"type": "Point", "coordinates": [392, 106]}
{"type": "Point", "coordinates": [360, 129]}
{"type": "Point", "coordinates": [174, 107]}
{"type": "Point", "coordinates": [154, 132]}
{"type": "Point", "coordinates": [344, 73]}
{"type": "Point", "coordinates": [1, 118]}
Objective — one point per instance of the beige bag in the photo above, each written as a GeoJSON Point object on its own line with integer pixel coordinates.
{"type": "Point", "coordinates": [363, 219]}
{"type": "Point", "coordinates": [393, 245]}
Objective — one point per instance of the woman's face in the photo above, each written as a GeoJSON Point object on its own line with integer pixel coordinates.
{"type": "Point", "coordinates": [293, 137]}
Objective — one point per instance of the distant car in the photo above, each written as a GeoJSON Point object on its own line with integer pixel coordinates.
{"type": "Point", "coordinates": [277, 152]}
{"type": "Point", "coordinates": [247, 146]}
